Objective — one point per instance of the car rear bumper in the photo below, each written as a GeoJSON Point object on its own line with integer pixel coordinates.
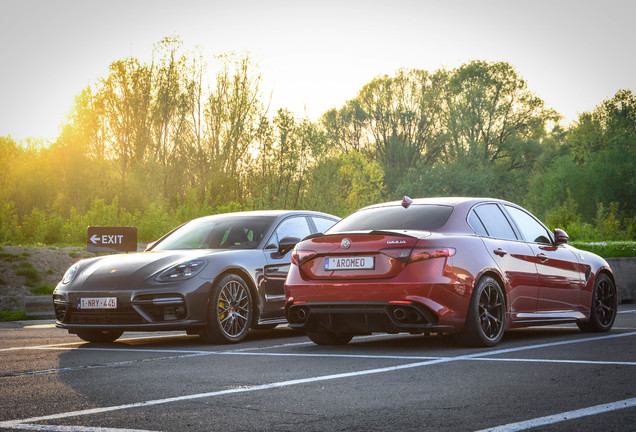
{"type": "Point", "coordinates": [365, 317]}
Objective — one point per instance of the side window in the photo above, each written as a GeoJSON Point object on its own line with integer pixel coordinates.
{"type": "Point", "coordinates": [322, 224]}
{"type": "Point", "coordinates": [531, 230]}
{"type": "Point", "coordinates": [475, 223]}
{"type": "Point", "coordinates": [295, 226]}
{"type": "Point", "coordinates": [495, 222]}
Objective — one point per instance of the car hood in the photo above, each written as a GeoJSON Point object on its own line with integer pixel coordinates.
{"type": "Point", "coordinates": [112, 270]}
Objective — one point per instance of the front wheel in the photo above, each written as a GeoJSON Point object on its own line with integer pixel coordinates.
{"type": "Point", "coordinates": [229, 312]}
{"type": "Point", "coordinates": [486, 317]}
{"type": "Point", "coordinates": [329, 338]}
{"type": "Point", "coordinates": [604, 306]}
{"type": "Point", "coordinates": [99, 335]}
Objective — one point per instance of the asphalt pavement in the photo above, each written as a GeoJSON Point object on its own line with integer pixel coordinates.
{"type": "Point", "coordinates": [542, 378]}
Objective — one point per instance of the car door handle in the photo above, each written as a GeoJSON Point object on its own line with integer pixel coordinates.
{"type": "Point", "coordinates": [500, 252]}
{"type": "Point", "coordinates": [272, 269]}
{"type": "Point", "coordinates": [542, 257]}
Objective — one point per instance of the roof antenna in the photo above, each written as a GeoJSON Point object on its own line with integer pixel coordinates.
{"type": "Point", "coordinates": [406, 202]}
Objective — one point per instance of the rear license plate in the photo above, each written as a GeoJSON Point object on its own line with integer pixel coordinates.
{"type": "Point", "coordinates": [350, 263]}
{"type": "Point", "coordinates": [97, 303]}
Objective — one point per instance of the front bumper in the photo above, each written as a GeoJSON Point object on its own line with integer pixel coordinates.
{"type": "Point", "coordinates": [169, 308]}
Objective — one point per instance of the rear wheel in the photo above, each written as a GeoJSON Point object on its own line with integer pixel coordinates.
{"type": "Point", "coordinates": [604, 306]}
{"type": "Point", "coordinates": [99, 335]}
{"type": "Point", "coordinates": [486, 318]}
{"type": "Point", "coordinates": [329, 338]}
{"type": "Point", "coordinates": [229, 313]}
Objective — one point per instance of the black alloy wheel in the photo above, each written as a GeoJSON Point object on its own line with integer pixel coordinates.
{"type": "Point", "coordinates": [486, 319]}
{"type": "Point", "coordinates": [604, 306]}
{"type": "Point", "coordinates": [229, 313]}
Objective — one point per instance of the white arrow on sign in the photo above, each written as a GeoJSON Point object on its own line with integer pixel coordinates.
{"type": "Point", "coordinates": [95, 238]}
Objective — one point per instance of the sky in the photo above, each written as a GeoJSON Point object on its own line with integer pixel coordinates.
{"type": "Point", "coordinates": [313, 55]}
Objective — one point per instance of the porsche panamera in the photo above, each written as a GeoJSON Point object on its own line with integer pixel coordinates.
{"type": "Point", "coordinates": [216, 276]}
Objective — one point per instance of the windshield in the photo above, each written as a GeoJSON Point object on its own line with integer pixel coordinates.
{"type": "Point", "coordinates": [422, 217]}
{"type": "Point", "coordinates": [220, 232]}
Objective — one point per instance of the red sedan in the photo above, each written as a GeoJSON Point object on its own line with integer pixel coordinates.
{"type": "Point", "coordinates": [464, 266]}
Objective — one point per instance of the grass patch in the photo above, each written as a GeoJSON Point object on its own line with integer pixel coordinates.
{"type": "Point", "coordinates": [27, 270]}
{"type": "Point", "coordinates": [7, 315]}
{"type": "Point", "coordinates": [73, 254]}
{"type": "Point", "coordinates": [615, 249]}
{"type": "Point", "coordinates": [43, 289]}
{"type": "Point", "coordinates": [8, 256]}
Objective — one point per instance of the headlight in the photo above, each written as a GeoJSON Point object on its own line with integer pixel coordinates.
{"type": "Point", "coordinates": [181, 271]}
{"type": "Point", "coordinates": [70, 274]}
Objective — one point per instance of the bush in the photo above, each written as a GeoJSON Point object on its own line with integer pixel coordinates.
{"type": "Point", "coordinates": [616, 249]}
{"type": "Point", "coordinates": [44, 289]}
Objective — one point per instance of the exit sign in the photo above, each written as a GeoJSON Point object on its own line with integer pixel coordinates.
{"type": "Point", "coordinates": [111, 239]}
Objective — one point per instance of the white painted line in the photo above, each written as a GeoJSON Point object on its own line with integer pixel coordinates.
{"type": "Point", "coordinates": [242, 389]}
{"type": "Point", "coordinates": [627, 311]}
{"type": "Point", "coordinates": [38, 427]}
{"type": "Point", "coordinates": [570, 415]}
{"type": "Point", "coordinates": [584, 362]}
{"type": "Point", "coordinates": [245, 389]}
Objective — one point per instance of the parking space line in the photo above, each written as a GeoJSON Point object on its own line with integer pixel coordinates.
{"type": "Point", "coordinates": [54, 428]}
{"type": "Point", "coordinates": [569, 415]}
{"type": "Point", "coordinates": [281, 384]}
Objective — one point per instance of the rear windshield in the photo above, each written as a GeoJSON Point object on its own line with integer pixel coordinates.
{"type": "Point", "coordinates": [425, 217]}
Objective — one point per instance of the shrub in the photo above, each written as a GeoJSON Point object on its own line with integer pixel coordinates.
{"type": "Point", "coordinates": [616, 249]}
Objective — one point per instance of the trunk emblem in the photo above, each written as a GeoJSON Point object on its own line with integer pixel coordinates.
{"type": "Point", "coordinates": [345, 243]}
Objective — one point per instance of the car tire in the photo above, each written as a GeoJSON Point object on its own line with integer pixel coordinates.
{"type": "Point", "coordinates": [329, 338]}
{"type": "Point", "coordinates": [604, 306]}
{"type": "Point", "coordinates": [99, 335]}
{"type": "Point", "coordinates": [229, 311]}
{"type": "Point", "coordinates": [486, 318]}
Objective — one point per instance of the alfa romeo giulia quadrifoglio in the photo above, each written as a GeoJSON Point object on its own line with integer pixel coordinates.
{"type": "Point", "coordinates": [217, 276]}
{"type": "Point", "coordinates": [464, 266]}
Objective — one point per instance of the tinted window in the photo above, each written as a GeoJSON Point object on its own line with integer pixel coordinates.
{"type": "Point", "coordinates": [416, 217]}
{"type": "Point", "coordinates": [295, 226]}
{"type": "Point", "coordinates": [531, 230]}
{"type": "Point", "coordinates": [495, 222]}
{"type": "Point", "coordinates": [323, 224]}
{"type": "Point", "coordinates": [476, 224]}
{"type": "Point", "coordinates": [219, 232]}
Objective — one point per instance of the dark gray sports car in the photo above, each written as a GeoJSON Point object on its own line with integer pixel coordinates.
{"type": "Point", "coordinates": [217, 276]}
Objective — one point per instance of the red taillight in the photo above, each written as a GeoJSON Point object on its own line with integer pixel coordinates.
{"type": "Point", "coordinates": [421, 254]}
{"type": "Point", "coordinates": [298, 257]}
{"type": "Point", "coordinates": [409, 255]}
{"type": "Point", "coordinates": [400, 254]}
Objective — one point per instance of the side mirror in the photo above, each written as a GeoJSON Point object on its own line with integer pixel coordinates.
{"type": "Point", "coordinates": [561, 237]}
{"type": "Point", "coordinates": [286, 244]}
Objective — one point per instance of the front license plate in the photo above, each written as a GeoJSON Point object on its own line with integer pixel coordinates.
{"type": "Point", "coordinates": [97, 303]}
{"type": "Point", "coordinates": [350, 263]}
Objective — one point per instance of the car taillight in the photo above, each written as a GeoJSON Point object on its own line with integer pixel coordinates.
{"type": "Point", "coordinates": [400, 254]}
{"type": "Point", "coordinates": [409, 255]}
{"type": "Point", "coordinates": [298, 257]}
{"type": "Point", "coordinates": [421, 254]}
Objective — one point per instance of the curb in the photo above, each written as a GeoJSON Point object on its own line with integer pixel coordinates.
{"type": "Point", "coordinates": [39, 306]}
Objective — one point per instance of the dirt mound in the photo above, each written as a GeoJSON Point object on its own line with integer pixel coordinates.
{"type": "Point", "coordinates": [25, 271]}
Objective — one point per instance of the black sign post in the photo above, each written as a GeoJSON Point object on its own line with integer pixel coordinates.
{"type": "Point", "coordinates": [111, 239]}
